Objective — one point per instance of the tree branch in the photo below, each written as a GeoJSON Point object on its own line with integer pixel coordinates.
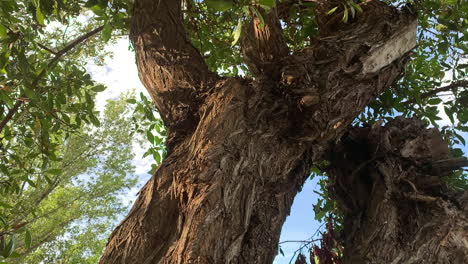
{"type": "Point", "coordinates": [46, 48]}
{"type": "Point", "coordinates": [170, 67]}
{"type": "Point", "coordinates": [453, 85]}
{"type": "Point", "coordinates": [50, 65]}
{"type": "Point", "coordinates": [263, 45]}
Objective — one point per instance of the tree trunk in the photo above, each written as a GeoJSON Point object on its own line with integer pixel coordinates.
{"type": "Point", "coordinates": [240, 149]}
{"type": "Point", "coordinates": [388, 181]}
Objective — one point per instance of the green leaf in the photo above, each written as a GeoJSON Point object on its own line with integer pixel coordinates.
{"type": "Point", "coordinates": [3, 221]}
{"type": "Point", "coordinates": [320, 215]}
{"type": "Point", "coordinates": [106, 32]}
{"type": "Point", "coordinates": [54, 172]}
{"type": "Point", "coordinates": [434, 101]}
{"type": "Point", "coordinates": [332, 10]}
{"type": "Point", "coordinates": [30, 182]}
{"type": "Point", "coordinates": [94, 120]}
{"type": "Point", "coordinates": [98, 10]}
{"type": "Point", "coordinates": [237, 33]}
{"type": "Point", "coordinates": [131, 101]}
{"type": "Point", "coordinates": [5, 205]}
{"type": "Point", "coordinates": [3, 31]}
{"type": "Point", "coordinates": [27, 238]}
{"type": "Point", "coordinates": [30, 93]}
{"type": "Point", "coordinates": [10, 247]}
{"type": "Point", "coordinates": [259, 15]}
{"type": "Point", "coordinates": [357, 7]}
{"type": "Point", "coordinates": [48, 180]}
{"type": "Point", "coordinates": [99, 88]}
{"type": "Point", "coordinates": [157, 157]}
{"type": "Point", "coordinates": [6, 98]}
{"type": "Point", "coordinates": [219, 5]}
{"type": "Point", "coordinates": [150, 136]}
{"type": "Point", "coordinates": [269, 3]}
{"type": "Point", "coordinates": [345, 14]}
{"type": "Point", "coordinates": [39, 16]}
{"type": "Point", "coordinates": [353, 11]}
{"type": "Point", "coordinates": [460, 137]}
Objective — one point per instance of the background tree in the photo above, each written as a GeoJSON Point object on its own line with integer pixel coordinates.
{"type": "Point", "coordinates": [239, 149]}
{"type": "Point", "coordinates": [70, 215]}
{"type": "Point", "coordinates": [47, 99]}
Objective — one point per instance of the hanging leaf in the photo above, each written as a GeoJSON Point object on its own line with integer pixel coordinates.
{"type": "Point", "coordinates": [27, 238]}
{"type": "Point", "coordinates": [3, 31]}
{"type": "Point", "coordinates": [259, 16]}
{"type": "Point", "coordinates": [332, 10]}
{"type": "Point", "coordinates": [356, 6]}
{"type": "Point", "coordinates": [237, 32]}
{"type": "Point", "coordinates": [150, 136]}
{"type": "Point", "coordinates": [3, 221]}
{"type": "Point", "coordinates": [106, 32]}
{"type": "Point", "coordinates": [39, 16]}
{"type": "Point", "coordinates": [10, 247]}
{"type": "Point", "coordinates": [345, 14]}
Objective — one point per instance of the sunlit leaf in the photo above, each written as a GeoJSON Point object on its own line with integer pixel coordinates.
{"type": "Point", "coordinates": [237, 33]}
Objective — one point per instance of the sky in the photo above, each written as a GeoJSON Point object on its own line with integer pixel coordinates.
{"type": "Point", "coordinates": [120, 74]}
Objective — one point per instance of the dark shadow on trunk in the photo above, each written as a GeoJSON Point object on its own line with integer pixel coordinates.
{"type": "Point", "coordinates": [389, 182]}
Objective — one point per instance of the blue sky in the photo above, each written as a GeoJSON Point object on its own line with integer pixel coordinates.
{"type": "Point", "coordinates": [120, 75]}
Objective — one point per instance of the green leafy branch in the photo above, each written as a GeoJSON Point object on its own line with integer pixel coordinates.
{"type": "Point", "coordinates": [50, 65]}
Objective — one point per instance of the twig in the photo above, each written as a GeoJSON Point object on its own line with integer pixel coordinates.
{"type": "Point", "coordinates": [46, 48]}
{"type": "Point", "coordinates": [57, 56]}
{"type": "Point", "coordinates": [300, 241]}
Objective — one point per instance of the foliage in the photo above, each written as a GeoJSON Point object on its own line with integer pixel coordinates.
{"type": "Point", "coordinates": [148, 125]}
{"type": "Point", "coordinates": [46, 101]}
{"type": "Point", "coordinates": [70, 215]}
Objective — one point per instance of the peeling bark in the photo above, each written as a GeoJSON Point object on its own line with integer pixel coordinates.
{"type": "Point", "coordinates": [388, 181]}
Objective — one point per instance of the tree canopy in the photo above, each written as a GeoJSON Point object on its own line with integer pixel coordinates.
{"type": "Point", "coordinates": [47, 97]}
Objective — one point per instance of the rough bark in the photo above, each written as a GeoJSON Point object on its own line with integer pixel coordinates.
{"type": "Point", "coordinates": [239, 150]}
{"type": "Point", "coordinates": [388, 181]}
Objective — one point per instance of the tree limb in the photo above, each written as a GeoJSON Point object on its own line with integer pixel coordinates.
{"type": "Point", "coordinates": [263, 45]}
{"type": "Point", "coordinates": [453, 85]}
{"type": "Point", "coordinates": [50, 65]}
{"type": "Point", "coordinates": [170, 67]}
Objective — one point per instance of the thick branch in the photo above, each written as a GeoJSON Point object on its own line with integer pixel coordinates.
{"type": "Point", "coordinates": [339, 74]}
{"type": "Point", "coordinates": [50, 65]}
{"type": "Point", "coordinates": [170, 67]}
{"type": "Point", "coordinates": [263, 45]}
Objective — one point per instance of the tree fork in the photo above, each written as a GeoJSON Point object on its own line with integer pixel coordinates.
{"type": "Point", "coordinates": [238, 149]}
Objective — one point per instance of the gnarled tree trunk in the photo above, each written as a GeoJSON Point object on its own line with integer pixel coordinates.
{"type": "Point", "coordinates": [388, 181]}
{"type": "Point", "coordinates": [240, 149]}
